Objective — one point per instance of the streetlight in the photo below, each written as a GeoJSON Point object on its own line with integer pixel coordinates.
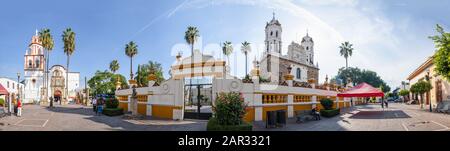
{"type": "Point", "coordinates": [427, 77]}
{"type": "Point", "coordinates": [18, 89]}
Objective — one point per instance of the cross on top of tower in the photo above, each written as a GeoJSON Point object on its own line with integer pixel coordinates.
{"type": "Point", "coordinates": [36, 32]}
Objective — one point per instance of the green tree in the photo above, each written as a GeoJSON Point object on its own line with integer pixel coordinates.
{"type": "Point", "coordinates": [114, 66]}
{"type": "Point", "coordinates": [421, 88]}
{"type": "Point", "coordinates": [46, 38]}
{"type": "Point", "coordinates": [131, 50]}
{"type": "Point", "coordinates": [68, 38]}
{"type": "Point", "coordinates": [404, 93]}
{"type": "Point", "coordinates": [346, 51]}
{"type": "Point", "coordinates": [145, 69]}
{"type": "Point", "coordinates": [359, 76]}
{"type": "Point", "coordinates": [442, 55]}
{"type": "Point", "coordinates": [245, 48]}
{"type": "Point", "coordinates": [227, 50]}
{"type": "Point", "coordinates": [104, 82]}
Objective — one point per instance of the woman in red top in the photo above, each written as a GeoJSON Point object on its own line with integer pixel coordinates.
{"type": "Point", "coordinates": [19, 108]}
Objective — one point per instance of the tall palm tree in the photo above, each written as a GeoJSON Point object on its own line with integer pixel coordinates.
{"type": "Point", "coordinates": [131, 51]}
{"type": "Point", "coordinates": [245, 48]}
{"type": "Point", "coordinates": [114, 66]}
{"type": "Point", "coordinates": [68, 38]}
{"type": "Point", "coordinates": [191, 35]}
{"type": "Point", "coordinates": [346, 50]}
{"type": "Point", "coordinates": [47, 42]}
{"type": "Point", "coordinates": [227, 49]}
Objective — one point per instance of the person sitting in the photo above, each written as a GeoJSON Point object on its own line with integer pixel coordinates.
{"type": "Point", "coordinates": [315, 112]}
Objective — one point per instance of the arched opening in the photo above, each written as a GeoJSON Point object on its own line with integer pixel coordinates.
{"type": "Point", "coordinates": [57, 95]}
{"type": "Point", "coordinates": [299, 73]}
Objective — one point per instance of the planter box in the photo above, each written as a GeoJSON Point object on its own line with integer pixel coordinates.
{"type": "Point", "coordinates": [330, 113]}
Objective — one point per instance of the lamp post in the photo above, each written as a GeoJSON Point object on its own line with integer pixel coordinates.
{"type": "Point", "coordinates": [427, 77]}
{"type": "Point", "coordinates": [18, 89]}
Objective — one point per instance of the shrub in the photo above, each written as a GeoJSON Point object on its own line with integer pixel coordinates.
{"type": "Point", "coordinates": [330, 113]}
{"type": "Point", "coordinates": [2, 101]}
{"type": "Point", "coordinates": [112, 103]}
{"type": "Point", "coordinates": [113, 111]}
{"type": "Point", "coordinates": [213, 125]}
{"type": "Point", "coordinates": [229, 109]}
{"type": "Point", "coordinates": [327, 103]}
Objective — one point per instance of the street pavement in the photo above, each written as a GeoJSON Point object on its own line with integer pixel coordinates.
{"type": "Point", "coordinates": [80, 118]}
{"type": "Point", "coordinates": [398, 117]}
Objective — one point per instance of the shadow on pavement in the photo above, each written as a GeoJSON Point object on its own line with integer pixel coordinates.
{"type": "Point", "coordinates": [380, 115]}
{"type": "Point", "coordinates": [118, 123]}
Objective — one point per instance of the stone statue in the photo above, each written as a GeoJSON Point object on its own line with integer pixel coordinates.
{"type": "Point", "coordinates": [134, 94]}
{"type": "Point", "coordinates": [134, 102]}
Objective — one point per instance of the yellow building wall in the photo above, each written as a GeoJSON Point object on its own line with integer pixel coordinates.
{"type": "Point", "coordinates": [163, 111]}
{"type": "Point", "coordinates": [341, 104]}
{"type": "Point", "coordinates": [142, 109]}
{"type": "Point", "coordinates": [302, 107]}
{"type": "Point", "coordinates": [124, 106]}
{"type": "Point", "coordinates": [250, 114]}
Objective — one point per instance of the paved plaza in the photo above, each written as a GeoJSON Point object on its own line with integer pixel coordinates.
{"type": "Point", "coordinates": [399, 117]}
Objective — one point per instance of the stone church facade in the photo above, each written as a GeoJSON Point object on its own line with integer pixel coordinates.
{"type": "Point", "coordinates": [300, 57]}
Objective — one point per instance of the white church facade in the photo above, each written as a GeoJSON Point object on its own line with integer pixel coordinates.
{"type": "Point", "coordinates": [34, 69]}
{"type": "Point", "coordinates": [300, 57]}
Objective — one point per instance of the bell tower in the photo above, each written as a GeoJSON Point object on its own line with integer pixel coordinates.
{"type": "Point", "coordinates": [34, 63]}
{"type": "Point", "coordinates": [273, 36]}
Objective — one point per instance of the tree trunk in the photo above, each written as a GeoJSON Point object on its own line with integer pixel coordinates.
{"type": "Point", "coordinates": [131, 68]}
{"type": "Point", "coordinates": [346, 63]}
{"type": "Point", "coordinates": [47, 79]}
{"type": "Point", "coordinates": [67, 78]}
{"type": "Point", "coordinates": [246, 72]}
{"type": "Point", "coordinates": [192, 72]}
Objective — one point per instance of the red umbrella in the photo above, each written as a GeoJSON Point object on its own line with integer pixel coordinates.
{"type": "Point", "coordinates": [3, 91]}
{"type": "Point", "coordinates": [362, 90]}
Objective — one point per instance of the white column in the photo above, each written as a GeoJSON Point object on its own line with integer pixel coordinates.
{"type": "Point", "coordinates": [314, 101]}
{"type": "Point", "coordinates": [337, 102]}
{"type": "Point", "coordinates": [290, 101]}
{"type": "Point", "coordinates": [258, 108]}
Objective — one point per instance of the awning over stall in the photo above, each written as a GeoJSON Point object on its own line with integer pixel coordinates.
{"type": "Point", "coordinates": [362, 90]}
{"type": "Point", "coordinates": [3, 91]}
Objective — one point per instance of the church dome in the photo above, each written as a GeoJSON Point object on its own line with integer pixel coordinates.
{"type": "Point", "coordinates": [274, 21]}
{"type": "Point", "coordinates": [307, 39]}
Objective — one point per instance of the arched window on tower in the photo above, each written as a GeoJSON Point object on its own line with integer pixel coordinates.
{"type": "Point", "coordinates": [38, 63]}
{"type": "Point", "coordinates": [30, 63]}
{"type": "Point", "coordinates": [271, 33]}
{"type": "Point", "coordinates": [276, 34]}
{"type": "Point", "coordinates": [299, 73]}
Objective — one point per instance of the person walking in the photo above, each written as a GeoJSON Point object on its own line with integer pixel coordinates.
{"type": "Point", "coordinates": [316, 113]}
{"type": "Point", "coordinates": [94, 104]}
{"type": "Point", "coordinates": [19, 108]}
{"type": "Point", "coordinates": [100, 103]}
{"type": "Point", "coordinates": [382, 103]}
{"type": "Point", "coordinates": [387, 103]}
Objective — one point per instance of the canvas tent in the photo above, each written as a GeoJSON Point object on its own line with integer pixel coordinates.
{"type": "Point", "coordinates": [362, 90]}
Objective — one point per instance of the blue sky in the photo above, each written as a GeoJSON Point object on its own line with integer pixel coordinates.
{"type": "Point", "coordinates": [390, 36]}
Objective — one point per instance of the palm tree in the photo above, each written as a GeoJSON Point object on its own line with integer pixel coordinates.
{"type": "Point", "coordinates": [114, 66]}
{"type": "Point", "coordinates": [131, 50]}
{"type": "Point", "coordinates": [227, 49]}
{"type": "Point", "coordinates": [191, 36]}
{"type": "Point", "coordinates": [346, 50]}
{"type": "Point", "coordinates": [68, 38]}
{"type": "Point", "coordinates": [245, 48]}
{"type": "Point", "coordinates": [47, 42]}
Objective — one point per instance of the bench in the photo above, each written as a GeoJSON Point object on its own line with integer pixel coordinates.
{"type": "Point", "coordinates": [304, 115]}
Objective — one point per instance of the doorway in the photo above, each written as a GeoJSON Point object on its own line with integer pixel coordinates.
{"type": "Point", "coordinates": [198, 99]}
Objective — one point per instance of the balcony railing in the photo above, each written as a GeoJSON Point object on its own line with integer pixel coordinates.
{"type": "Point", "coordinates": [274, 98]}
